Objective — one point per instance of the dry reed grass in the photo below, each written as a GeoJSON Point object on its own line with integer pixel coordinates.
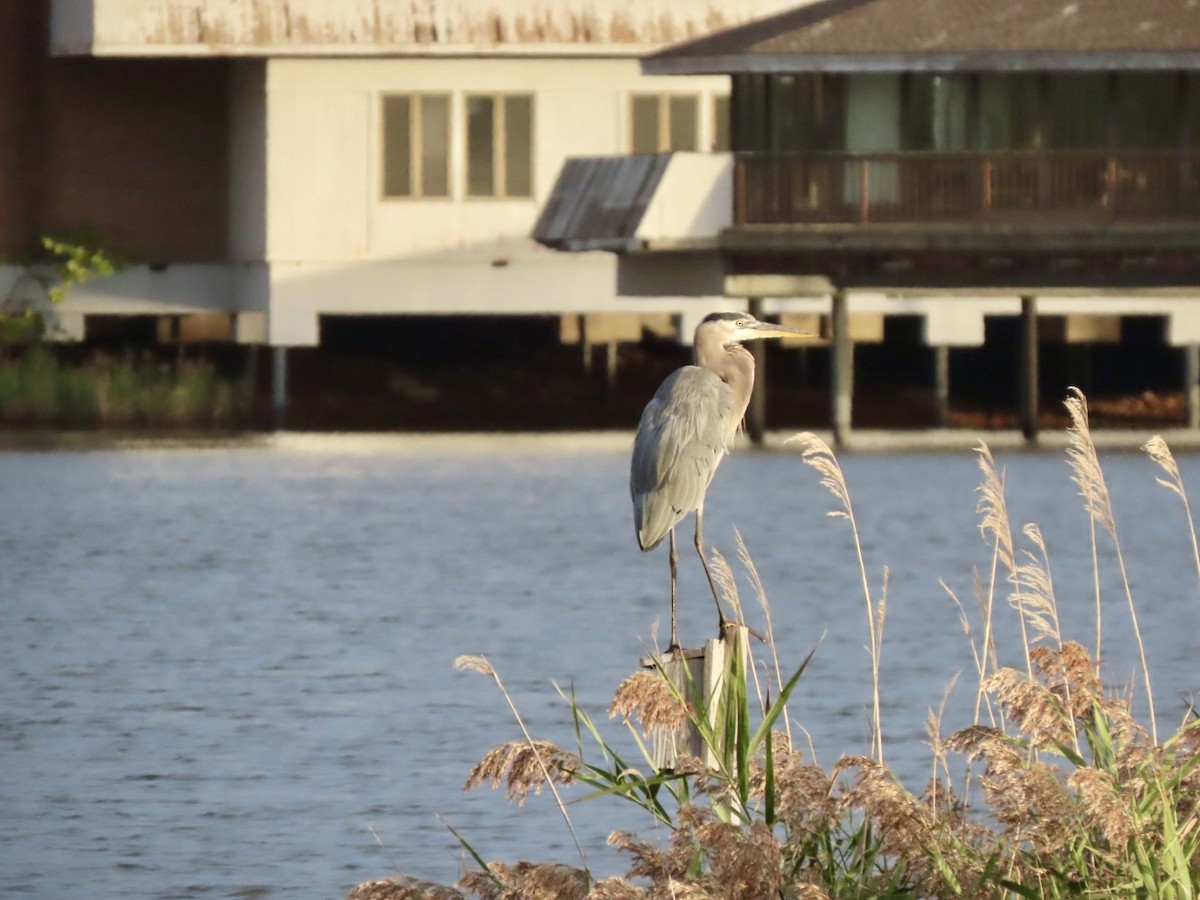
{"type": "Point", "coordinates": [1066, 794]}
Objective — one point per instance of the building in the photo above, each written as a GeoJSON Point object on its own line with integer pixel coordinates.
{"type": "Point", "coordinates": [939, 159]}
{"type": "Point", "coordinates": [267, 164]}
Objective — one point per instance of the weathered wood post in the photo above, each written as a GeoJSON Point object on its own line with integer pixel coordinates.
{"type": "Point", "coordinates": [699, 675]}
{"type": "Point", "coordinates": [1191, 384]}
{"type": "Point", "coordinates": [941, 383]}
{"type": "Point", "coordinates": [843, 368]}
{"type": "Point", "coordinates": [279, 392]}
{"type": "Point", "coordinates": [756, 415]}
{"type": "Point", "coordinates": [1028, 376]}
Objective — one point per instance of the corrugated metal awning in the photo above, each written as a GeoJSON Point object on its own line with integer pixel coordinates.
{"type": "Point", "coordinates": [599, 201]}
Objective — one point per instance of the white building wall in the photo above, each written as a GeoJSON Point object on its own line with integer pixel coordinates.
{"type": "Point", "coordinates": [335, 245]}
{"type": "Point", "coordinates": [325, 148]}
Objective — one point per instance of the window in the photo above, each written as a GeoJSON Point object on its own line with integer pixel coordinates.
{"type": "Point", "coordinates": [936, 110]}
{"type": "Point", "coordinates": [416, 145]}
{"type": "Point", "coordinates": [664, 123]}
{"type": "Point", "coordinates": [500, 145]}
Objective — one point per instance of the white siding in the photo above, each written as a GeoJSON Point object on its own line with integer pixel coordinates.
{"type": "Point", "coordinates": [324, 150]}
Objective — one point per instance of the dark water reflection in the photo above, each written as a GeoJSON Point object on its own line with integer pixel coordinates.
{"type": "Point", "coordinates": [223, 668]}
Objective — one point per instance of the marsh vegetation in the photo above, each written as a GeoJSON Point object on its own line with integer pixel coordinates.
{"type": "Point", "coordinates": [1061, 786]}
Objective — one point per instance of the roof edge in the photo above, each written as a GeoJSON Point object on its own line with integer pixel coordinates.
{"type": "Point", "coordinates": [750, 64]}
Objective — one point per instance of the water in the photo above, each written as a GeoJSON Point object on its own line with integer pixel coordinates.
{"type": "Point", "coordinates": [226, 671]}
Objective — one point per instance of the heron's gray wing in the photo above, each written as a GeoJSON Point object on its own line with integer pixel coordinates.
{"type": "Point", "coordinates": [680, 440]}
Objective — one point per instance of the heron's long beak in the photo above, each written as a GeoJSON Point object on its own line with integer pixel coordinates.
{"type": "Point", "coordinates": [769, 330]}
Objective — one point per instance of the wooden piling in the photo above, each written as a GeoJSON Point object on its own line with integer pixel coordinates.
{"type": "Point", "coordinates": [699, 675]}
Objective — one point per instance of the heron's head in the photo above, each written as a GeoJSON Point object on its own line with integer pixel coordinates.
{"type": "Point", "coordinates": [728, 328]}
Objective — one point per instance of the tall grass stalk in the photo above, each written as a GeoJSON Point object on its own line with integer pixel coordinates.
{"type": "Point", "coordinates": [1089, 477]}
{"type": "Point", "coordinates": [481, 665]}
{"type": "Point", "coordinates": [816, 453]}
{"type": "Point", "coordinates": [1156, 448]}
{"type": "Point", "coordinates": [995, 523]}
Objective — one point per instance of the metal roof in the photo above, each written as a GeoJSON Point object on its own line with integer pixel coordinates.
{"type": "Point", "coordinates": [948, 35]}
{"type": "Point", "coordinates": [599, 201]}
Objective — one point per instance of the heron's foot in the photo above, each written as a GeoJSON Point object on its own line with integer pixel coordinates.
{"type": "Point", "coordinates": [724, 625]}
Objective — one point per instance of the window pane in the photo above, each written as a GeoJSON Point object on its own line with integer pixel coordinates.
{"type": "Point", "coordinates": [1190, 136]}
{"type": "Point", "coordinates": [645, 124]}
{"type": "Point", "coordinates": [1077, 110]}
{"type": "Point", "coordinates": [950, 95]}
{"type": "Point", "coordinates": [684, 123]}
{"type": "Point", "coordinates": [720, 141]}
{"type": "Point", "coordinates": [435, 146]}
{"type": "Point", "coordinates": [1010, 111]}
{"type": "Point", "coordinates": [518, 146]}
{"type": "Point", "coordinates": [1147, 104]}
{"type": "Point", "coordinates": [397, 155]}
{"type": "Point", "coordinates": [481, 176]}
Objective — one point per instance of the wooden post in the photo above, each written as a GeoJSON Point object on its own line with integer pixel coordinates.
{"type": "Point", "coordinates": [941, 383]}
{"type": "Point", "coordinates": [1191, 384]}
{"type": "Point", "coordinates": [756, 414]}
{"type": "Point", "coordinates": [864, 191]}
{"type": "Point", "coordinates": [610, 366]}
{"type": "Point", "coordinates": [585, 349]}
{"type": "Point", "coordinates": [279, 382]}
{"type": "Point", "coordinates": [843, 369]}
{"type": "Point", "coordinates": [1028, 375]}
{"type": "Point", "coordinates": [699, 675]}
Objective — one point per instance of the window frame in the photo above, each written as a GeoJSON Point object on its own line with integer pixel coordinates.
{"type": "Point", "coordinates": [416, 146]}
{"type": "Point", "coordinates": [500, 145]}
{"type": "Point", "coordinates": [663, 119]}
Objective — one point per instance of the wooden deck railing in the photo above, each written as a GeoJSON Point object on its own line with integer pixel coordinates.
{"type": "Point", "coordinates": [1058, 186]}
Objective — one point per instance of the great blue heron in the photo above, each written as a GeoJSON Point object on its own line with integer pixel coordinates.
{"type": "Point", "coordinates": [687, 428]}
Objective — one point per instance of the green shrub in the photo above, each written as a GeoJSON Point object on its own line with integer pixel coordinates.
{"type": "Point", "coordinates": [37, 388]}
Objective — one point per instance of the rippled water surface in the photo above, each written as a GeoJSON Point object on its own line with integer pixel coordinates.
{"type": "Point", "coordinates": [226, 671]}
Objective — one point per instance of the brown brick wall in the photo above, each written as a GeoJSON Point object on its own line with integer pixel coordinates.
{"type": "Point", "coordinates": [131, 150]}
{"type": "Point", "coordinates": [23, 34]}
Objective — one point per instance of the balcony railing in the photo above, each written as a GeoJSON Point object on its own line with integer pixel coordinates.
{"type": "Point", "coordinates": [1057, 186]}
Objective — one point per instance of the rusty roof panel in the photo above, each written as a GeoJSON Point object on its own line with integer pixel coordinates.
{"type": "Point", "coordinates": [350, 27]}
{"type": "Point", "coordinates": [908, 33]}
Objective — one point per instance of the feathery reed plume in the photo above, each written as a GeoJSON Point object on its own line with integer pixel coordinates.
{"type": "Point", "coordinates": [402, 888]}
{"type": "Point", "coordinates": [995, 524]}
{"type": "Point", "coordinates": [529, 881]}
{"type": "Point", "coordinates": [1087, 474]}
{"type": "Point", "coordinates": [723, 578]}
{"type": "Point", "coordinates": [804, 793]}
{"type": "Point", "coordinates": [818, 454]}
{"type": "Point", "coordinates": [1038, 602]}
{"type": "Point", "coordinates": [529, 766]}
{"type": "Point", "coordinates": [480, 664]}
{"type": "Point", "coordinates": [650, 698]}
{"type": "Point", "coordinates": [1025, 794]}
{"type": "Point", "coordinates": [1158, 451]}
{"type": "Point", "coordinates": [1083, 465]}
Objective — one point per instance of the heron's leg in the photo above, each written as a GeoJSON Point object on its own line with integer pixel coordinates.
{"type": "Point", "coordinates": [708, 572]}
{"type": "Point", "coordinates": [674, 559]}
